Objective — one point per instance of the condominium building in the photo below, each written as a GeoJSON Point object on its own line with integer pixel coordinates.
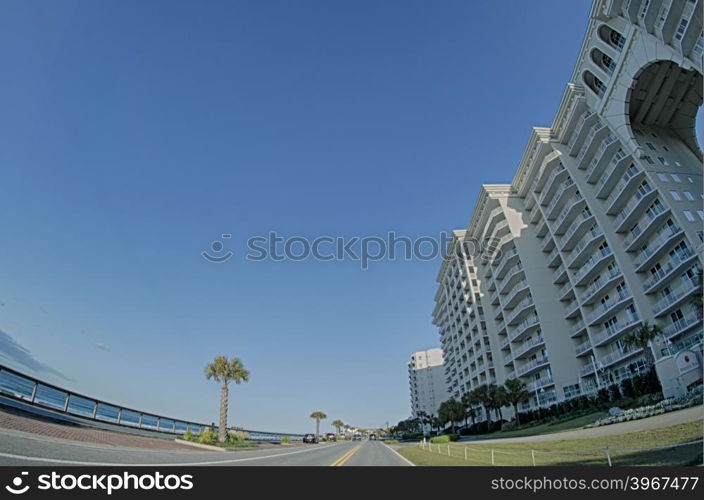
{"type": "Point", "coordinates": [427, 381]}
{"type": "Point", "coordinates": [600, 230]}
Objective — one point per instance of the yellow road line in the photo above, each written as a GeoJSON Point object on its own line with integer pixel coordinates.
{"type": "Point", "coordinates": [344, 458]}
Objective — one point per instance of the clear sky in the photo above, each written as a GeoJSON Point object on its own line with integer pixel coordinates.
{"type": "Point", "coordinates": [133, 134]}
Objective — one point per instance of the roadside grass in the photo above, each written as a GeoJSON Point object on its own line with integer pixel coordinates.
{"type": "Point", "coordinates": [565, 425]}
{"type": "Point", "coordinates": [635, 448]}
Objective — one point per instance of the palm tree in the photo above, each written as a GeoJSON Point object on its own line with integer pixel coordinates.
{"type": "Point", "coordinates": [516, 393]}
{"type": "Point", "coordinates": [641, 338]}
{"type": "Point", "coordinates": [338, 424]}
{"type": "Point", "coordinates": [495, 399]}
{"type": "Point", "coordinates": [480, 396]}
{"type": "Point", "coordinates": [224, 370]}
{"type": "Point", "coordinates": [451, 411]}
{"type": "Point", "coordinates": [318, 416]}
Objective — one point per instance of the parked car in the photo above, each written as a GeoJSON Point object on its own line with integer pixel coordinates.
{"type": "Point", "coordinates": [330, 436]}
{"type": "Point", "coordinates": [310, 438]}
{"type": "Point", "coordinates": [357, 437]}
{"type": "Point", "coordinates": [372, 436]}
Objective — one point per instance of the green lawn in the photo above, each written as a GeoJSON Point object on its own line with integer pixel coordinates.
{"type": "Point", "coordinates": [625, 449]}
{"type": "Point", "coordinates": [574, 423]}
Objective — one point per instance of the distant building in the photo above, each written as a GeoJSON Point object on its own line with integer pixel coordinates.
{"type": "Point", "coordinates": [427, 381]}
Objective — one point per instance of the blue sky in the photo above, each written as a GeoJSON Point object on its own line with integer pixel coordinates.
{"type": "Point", "coordinates": [135, 133]}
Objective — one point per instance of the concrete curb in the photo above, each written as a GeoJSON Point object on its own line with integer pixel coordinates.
{"type": "Point", "coordinates": [199, 445]}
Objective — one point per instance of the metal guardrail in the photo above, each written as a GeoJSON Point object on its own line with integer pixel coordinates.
{"type": "Point", "coordinates": [39, 394]}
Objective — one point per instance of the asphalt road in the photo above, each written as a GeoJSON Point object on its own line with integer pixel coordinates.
{"type": "Point", "coordinates": [22, 449]}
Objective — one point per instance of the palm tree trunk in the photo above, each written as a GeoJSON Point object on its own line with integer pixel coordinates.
{"type": "Point", "coordinates": [515, 410]}
{"type": "Point", "coordinates": [317, 429]}
{"type": "Point", "coordinates": [222, 431]}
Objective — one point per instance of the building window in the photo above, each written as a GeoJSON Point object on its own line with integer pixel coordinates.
{"type": "Point", "coordinates": [612, 37]}
{"type": "Point", "coordinates": [596, 85]}
{"type": "Point", "coordinates": [688, 215]}
{"type": "Point", "coordinates": [603, 61]}
{"type": "Point", "coordinates": [689, 196]}
{"type": "Point", "coordinates": [663, 177]}
{"type": "Point", "coordinates": [651, 146]}
{"type": "Point", "coordinates": [676, 178]}
{"type": "Point", "coordinates": [700, 213]}
{"type": "Point", "coordinates": [675, 195]}
{"type": "Point", "coordinates": [681, 29]}
{"type": "Point", "coordinates": [649, 160]}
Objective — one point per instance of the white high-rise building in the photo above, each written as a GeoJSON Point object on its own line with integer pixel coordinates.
{"type": "Point", "coordinates": [427, 381]}
{"type": "Point", "coordinates": [601, 229]}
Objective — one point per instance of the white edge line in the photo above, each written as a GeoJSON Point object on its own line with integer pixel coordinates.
{"type": "Point", "coordinates": [402, 457]}
{"type": "Point", "coordinates": [174, 464]}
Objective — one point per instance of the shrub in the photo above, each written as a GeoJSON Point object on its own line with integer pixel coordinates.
{"type": "Point", "coordinates": [206, 436]}
{"type": "Point", "coordinates": [509, 426]}
{"type": "Point", "coordinates": [233, 438]}
{"type": "Point", "coordinates": [286, 440]}
{"type": "Point", "coordinates": [189, 436]}
{"type": "Point", "coordinates": [614, 393]}
{"type": "Point", "coordinates": [445, 438]}
{"type": "Point", "coordinates": [627, 388]}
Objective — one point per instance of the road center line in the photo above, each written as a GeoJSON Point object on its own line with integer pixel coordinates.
{"type": "Point", "coordinates": [344, 458]}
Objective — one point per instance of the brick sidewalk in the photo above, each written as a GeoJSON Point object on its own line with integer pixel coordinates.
{"type": "Point", "coordinates": [17, 422]}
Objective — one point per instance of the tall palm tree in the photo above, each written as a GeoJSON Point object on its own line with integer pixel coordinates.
{"type": "Point", "coordinates": [480, 396]}
{"type": "Point", "coordinates": [225, 370]}
{"type": "Point", "coordinates": [338, 424]}
{"type": "Point", "coordinates": [495, 399]}
{"type": "Point", "coordinates": [516, 393]}
{"type": "Point", "coordinates": [641, 338]}
{"type": "Point", "coordinates": [451, 411]}
{"type": "Point", "coordinates": [318, 416]}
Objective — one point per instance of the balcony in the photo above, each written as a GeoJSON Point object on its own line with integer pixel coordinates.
{"type": "Point", "coordinates": [634, 208]}
{"type": "Point", "coordinates": [527, 325]}
{"type": "Point", "coordinates": [614, 331]}
{"type": "Point", "coordinates": [585, 246]}
{"type": "Point", "coordinates": [500, 326]}
{"type": "Point", "coordinates": [674, 298]}
{"type": "Point", "coordinates": [609, 307]}
{"type": "Point", "coordinates": [511, 278]}
{"type": "Point", "coordinates": [557, 175]}
{"type": "Point", "coordinates": [612, 175]}
{"type": "Point", "coordinates": [583, 348]}
{"type": "Point", "coordinates": [681, 326]}
{"type": "Point", "coordinates": [531, 366]}
{"type": "Point", "coordinates": [528, 346]}
{"type": "Point", "coordinates": [539, 384]}
{"type": "Point", "coordinates": [563, 220]}
{"type": "Point", "coordinates": [508, 258]}
{"type": "Point", "coordinates": [578, 328]}
{"type": "Point", "coordinates": [659, 246]}
{"type": "Point", "coordinates": [586, 370]}
{"type": "Point", "coordinates": [601, 284]}
{"type": "Point", "coordinates": [554, 258]}
{"type": "Point", "coordinates": [606, 150]}
{"type": "Point", "coordinates": [572, 309]}
{"type": "Point", "coordinates": [519, 310]}
{"type": "Point", "coordinates": [559, 275]}
{"type": "Point", "coordinates": [579, 225]}
{"type": "Point", "coordinates": [494, 298]}
{"type": "Point", "coordinates": [520, 289]}
{"type": "Point", "coordinates": [505, 342]}
{"type": "Point", "coordinates": [580, 132]}
{"type": "Point", "coordinates": [653, 219]}
{"type": "Point", "coordinates": [617, 356]}
{"type": "Point", "coordinates": [677, 263]}
{"type": "Point", "coordinates": [548, 244]}
{"type": "Point", "coordinates": [508, 359]}
{"type": "Point", "coordinates": [566, 292]}
{"type": "Point", "coordinates": [624, 189]}
{"type": "Point", "coordinates": [566, 189]}
{"type": "Point", "coordinates": [592, 266]}
{"type": "Point", "coordinates": [591, 143]}
{"type": "Point", "coordinates": [547, 168]}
